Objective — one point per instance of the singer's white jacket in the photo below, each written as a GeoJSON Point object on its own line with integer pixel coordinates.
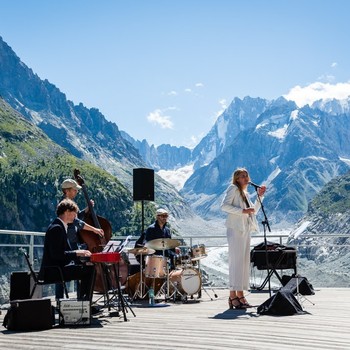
{"type": "Point", "coordinates": [233, 204]}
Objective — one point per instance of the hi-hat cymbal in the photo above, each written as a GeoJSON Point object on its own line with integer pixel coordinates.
{"type": "Point", "coordinates": [141, 250]}
{"type": "Point", "coordinates": [163, 243]}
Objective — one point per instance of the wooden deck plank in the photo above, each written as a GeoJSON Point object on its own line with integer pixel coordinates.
{"type": "Point", "coordinates": [204, 325]}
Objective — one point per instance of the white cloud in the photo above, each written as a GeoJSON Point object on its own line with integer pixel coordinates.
{"type": "Point", "coordinates": [329, 78]}
{"type": "Point", "coordinates": [317, 91]}
{"type": "Point", "coordinates": [188, 90]}
{"type": "Point", "coordinates": [223, 104]}
{"type": "Point", "coordinates": [334, 64]}
{"type": "Point", "coordinates": [158, 118]}
{"type": "Point", "coordinates": [172, 93]}
{"type": "Point", "coordinates": [193, 141]}
{"type": "Point", "coordinates": [199, 85]}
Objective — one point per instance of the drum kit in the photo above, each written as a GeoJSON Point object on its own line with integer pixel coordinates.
{"type": "Point", "coordinates": [183, 281]}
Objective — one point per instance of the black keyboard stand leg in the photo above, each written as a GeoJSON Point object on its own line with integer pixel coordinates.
{"type": "Point", "coordinates": [123, 303]}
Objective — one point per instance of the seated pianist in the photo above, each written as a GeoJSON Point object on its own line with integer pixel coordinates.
{"type": "Point", "coordinates": [57, 252]}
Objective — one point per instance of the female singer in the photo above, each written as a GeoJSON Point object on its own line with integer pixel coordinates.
{"type": "Point", "coordinates": [240, 222]}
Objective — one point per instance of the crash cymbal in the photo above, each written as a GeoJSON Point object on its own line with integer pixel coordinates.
{"type": "Point", "coordinates": [141, 250]}
{"type": "Point", "coordinates": [163, 243]}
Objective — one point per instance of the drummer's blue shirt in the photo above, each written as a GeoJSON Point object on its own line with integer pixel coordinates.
{"type": "Point", "coordinates": [155, 232]}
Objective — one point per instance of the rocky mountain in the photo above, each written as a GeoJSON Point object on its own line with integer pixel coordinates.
{"type": "Point", "coordinates": [294, 151]}
{"type": "Point", "coordinates": [83, 132]}
{"type": "Point", "coordinates": [221, 135]}
{"type": "Point", "coordinates": [326, 258]}
{"type": "Point", "coordinates": [226, 129]}
{"type": "Point", "coordinates": [328, 212]}
{"type": "Point", "coordinates": [32, 167]}
{"type": "Point", "coordinates": [164, 157]}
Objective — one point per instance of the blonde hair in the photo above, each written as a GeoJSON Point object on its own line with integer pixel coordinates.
{"type": "Point", "coordinates": [237, 173]}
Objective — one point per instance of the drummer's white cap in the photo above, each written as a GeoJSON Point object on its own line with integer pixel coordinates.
{"type": "Point", "coordinates": [161, 211]}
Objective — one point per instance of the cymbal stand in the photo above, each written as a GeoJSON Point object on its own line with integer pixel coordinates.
{"type": "Point", "coordinates": [206, 281]}
{"type": "Point", "coordinates": [142, 285]}
{"type": "Point", "coordinates": [165, 288]}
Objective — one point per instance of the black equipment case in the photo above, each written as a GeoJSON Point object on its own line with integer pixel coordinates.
{"type": "Point", "coordinates": [29, 315]}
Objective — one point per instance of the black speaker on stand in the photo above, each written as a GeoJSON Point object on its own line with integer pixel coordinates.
{"type": "Point", "coordinates": [143, 188]}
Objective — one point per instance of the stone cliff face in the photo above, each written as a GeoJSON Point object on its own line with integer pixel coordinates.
{"type": "Point", "coordinates": [295, 151]}
{"type": "Point", "coordinates": [83, 132]}
{"type": "Point", "coordinates": [32, 167]}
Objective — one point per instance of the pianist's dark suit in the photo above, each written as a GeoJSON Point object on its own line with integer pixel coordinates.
{"type": "Point", "coordinates": [57, 252]}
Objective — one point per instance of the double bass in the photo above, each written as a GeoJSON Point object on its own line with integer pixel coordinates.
{"type": "Point", "coordinates": [94, 242]}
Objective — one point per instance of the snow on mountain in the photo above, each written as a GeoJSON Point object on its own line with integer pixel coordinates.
{"type": "Point", "coordinates": [333, 106]}
{"type": "Point", "coordinates": [177, 177]}
{"type": "Point", "coordinates": [295, 151]}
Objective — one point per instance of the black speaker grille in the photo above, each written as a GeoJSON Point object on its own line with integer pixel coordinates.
{"type": "Point", "coordinates": [143, 184]}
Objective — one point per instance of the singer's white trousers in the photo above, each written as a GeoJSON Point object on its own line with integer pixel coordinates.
{"type": "Point", "coordinates": [238, 259]}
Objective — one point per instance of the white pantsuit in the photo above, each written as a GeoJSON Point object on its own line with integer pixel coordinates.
{"type": "Point", "coordinates": [239, 227]}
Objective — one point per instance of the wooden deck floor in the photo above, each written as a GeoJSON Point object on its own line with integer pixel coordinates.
{"type": "Point", "coordinates": [207, 324]}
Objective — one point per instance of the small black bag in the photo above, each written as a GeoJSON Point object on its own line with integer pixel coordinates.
{"type": "Point", "coordinates": [29, 315]}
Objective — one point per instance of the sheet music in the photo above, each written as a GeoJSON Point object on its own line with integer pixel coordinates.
{"type": "Point", "coordinates": [111, 246]}
{"type": "Point", "coordinates": [116, 246]}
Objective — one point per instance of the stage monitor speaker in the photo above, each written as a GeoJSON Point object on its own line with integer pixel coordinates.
{"type": "Point", "coordinates": [281, 304]}
{"type": "Point", "coordinates": [21, 285]}
{"type": "Point", "coordinates": [143, 184]}
{"type": "Point", "coordinates": [297, 284]}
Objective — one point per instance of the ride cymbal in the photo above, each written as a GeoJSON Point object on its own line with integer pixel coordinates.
{"type": "Point", "coordinates": [141, 250]}
{"type": "Point", "coordinates": [163, 243]}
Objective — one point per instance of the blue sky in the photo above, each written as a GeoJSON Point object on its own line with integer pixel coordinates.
{"type": "Point", "coordinates": [164, 70]}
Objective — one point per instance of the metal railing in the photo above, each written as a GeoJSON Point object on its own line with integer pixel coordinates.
{"type": "Point", "coordinates": [33, 243]}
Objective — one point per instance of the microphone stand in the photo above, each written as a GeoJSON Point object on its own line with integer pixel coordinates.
{"type": "Point", "coordinates": [265, 224]}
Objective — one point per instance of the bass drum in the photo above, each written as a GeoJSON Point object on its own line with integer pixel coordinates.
{"type": "Point", "coordinates": [186, 280]}
{"type": "Point", "coordinates": [134, 280]}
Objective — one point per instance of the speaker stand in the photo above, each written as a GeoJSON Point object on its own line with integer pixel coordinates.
{"type": "Point", "coordinates": [301, 298]}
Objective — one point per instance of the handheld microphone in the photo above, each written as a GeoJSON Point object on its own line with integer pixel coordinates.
{"type": "Point", "coordinates": [253, 184]}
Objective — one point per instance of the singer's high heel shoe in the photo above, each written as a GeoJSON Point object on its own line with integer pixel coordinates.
{"type": "Point", "coordinates": [244, 303]}
{"type": "Point", "coordinates": [234, 303]}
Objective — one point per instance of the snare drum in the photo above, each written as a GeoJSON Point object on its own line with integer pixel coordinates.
{"type": "Point", "coordinates": [155, 266]}
{"type": "Point", "coordinates": [198, 252]}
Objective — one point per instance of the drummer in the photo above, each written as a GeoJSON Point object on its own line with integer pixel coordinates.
{"type": "Point", "coordinates": [160, 229]}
